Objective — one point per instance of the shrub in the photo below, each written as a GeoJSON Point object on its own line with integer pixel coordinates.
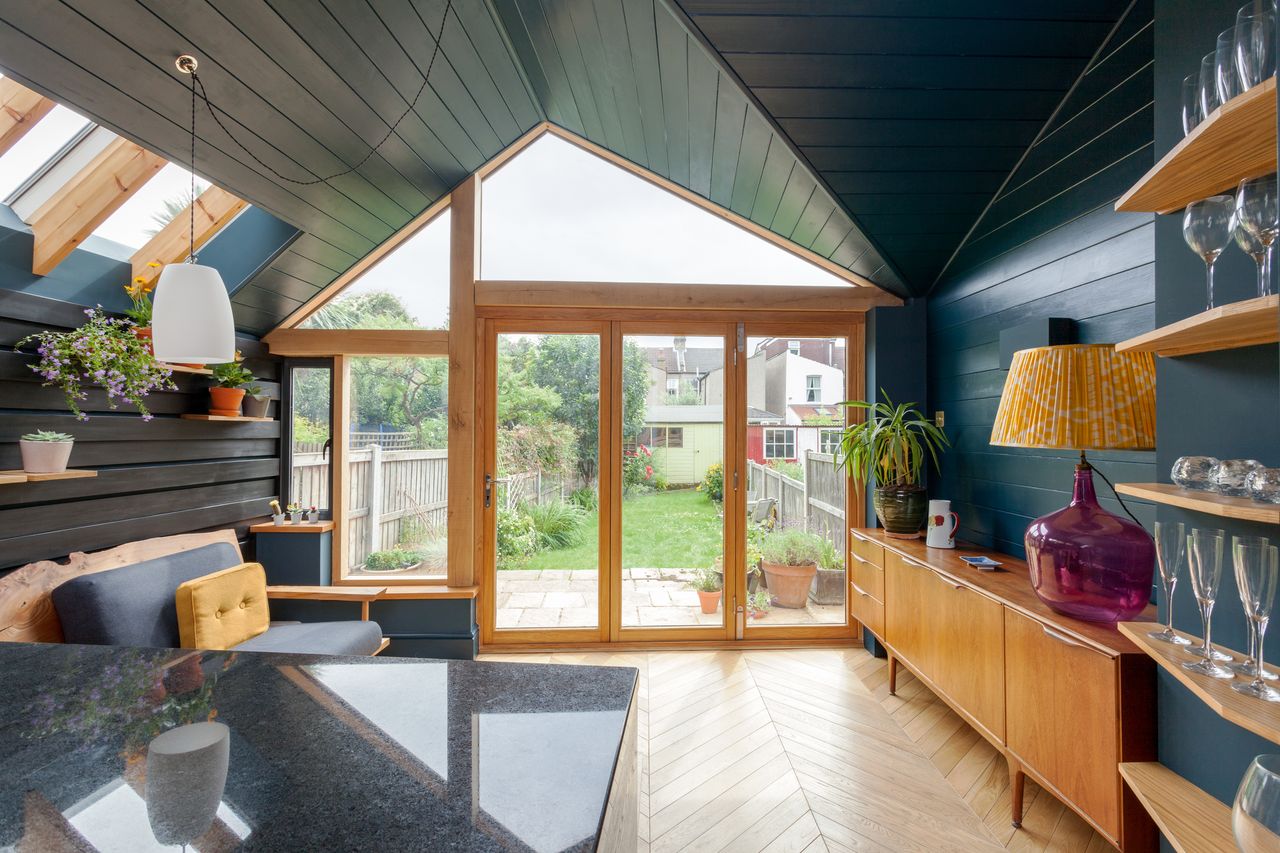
{"type": "Point", "coordinates": [794, 470]}
{"type": "Point", "coordinates": [585, 498]}
{"type": "Point", "coordinates": [831, 558]}
{"type": "Point", "coordinates": [713, 482]}
{"type": "Point", "coordinates": [391, 561]}
{"type": "Point", "coordinates": [637, 471]}
{"type": "Point", "coordinates": [792, 547]}
{"type": "Point", "coordinates": [558, 524]}
{"type": "Point", "coordinates": [517, 538]}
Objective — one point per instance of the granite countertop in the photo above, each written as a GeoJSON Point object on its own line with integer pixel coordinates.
{"type": "Point", "coordinates": [325, 753]}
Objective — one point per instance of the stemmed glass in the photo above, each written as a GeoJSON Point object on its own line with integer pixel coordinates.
{"type": "Point", "coordinates": [1204, 557]}
{"type": "Point", "coordinates": [1206, 227]}
{"type": "Point", "coordinates": [1257, 565]}
{"type": "Point", "coordinates": [1255, 818]}
{"type": "Point", "coordinates": [1171, 546]}
{"type": "Point", "coordinates": [1253, 246]}
{"type": "Point", "coordinates": [1225, 75]}
{"type": "Point", "coordinates": [1255, 42]}
{"type": "Point", "coordinates": [1258, 212]}
{"type": "Point", "coordinates": [1190, 103]}
{"type": "Point", "coordinates": [1209, 100]}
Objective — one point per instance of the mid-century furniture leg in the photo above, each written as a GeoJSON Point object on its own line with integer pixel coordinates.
{"type": "Point", "coordinates": [893, 676]}
{"type": "Point", "coordinates": [1018, 780]}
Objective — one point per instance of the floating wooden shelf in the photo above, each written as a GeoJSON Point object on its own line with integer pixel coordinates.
{"type": "Point", "coordinates": [236, 418]}
{"type": "Point", "coordinates": [24, 477]}
{"type": "Point", "coordinates": [1261, 718]}
{"type": "Point", "coordinates": [1201, 501]}
{"type": "Point", "coordinates": [291, 527]}
{"type": "Point", "coordinates": [1240, 324]}
{"type": "Point", "coordinates": [1237, 141]}
{"type": "Point", "coordinates": [1191, 820]}
{"type": "Point", "coordinates": [182, 368]}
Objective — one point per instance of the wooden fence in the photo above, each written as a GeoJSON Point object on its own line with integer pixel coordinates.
{"type": "Point", "coordinates": [534, 487]}
{"type": "Point", "coordinates": [815, 505]}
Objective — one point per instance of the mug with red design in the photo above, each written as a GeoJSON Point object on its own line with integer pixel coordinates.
{"type": "Point", "coordinates": [942, 525]}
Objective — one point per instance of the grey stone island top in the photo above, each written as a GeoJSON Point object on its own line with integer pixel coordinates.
{"type": "Point", "coordinates": [122, 749]}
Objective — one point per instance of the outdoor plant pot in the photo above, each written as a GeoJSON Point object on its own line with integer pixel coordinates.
{"type": "Point", "coordinates": [710, 601]}
{"type": "Point", "coordinates": [45, 457]}
{"type": "Point", "coordinates": [225, 401]}
{"type": "Point", "coordinates": [901, 509]}
{"type": "Point", "coordinates": [255, 405]}
{"type": "Point", "coordinates": [828, 587]}
{"type": "Point", "coordinates": [789, 585]}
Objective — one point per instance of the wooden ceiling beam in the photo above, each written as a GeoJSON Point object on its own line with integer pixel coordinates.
{"type": "Point", "coordinates": [303, 343]}
{"type": "Point", "coordinates": [20, 110]}
{"type": "Point", "coordinates": [214, 208]}
{"type": "Point", "coordinates": [87, 199]}
{"type": "Point", "coordinates": [694, 297]}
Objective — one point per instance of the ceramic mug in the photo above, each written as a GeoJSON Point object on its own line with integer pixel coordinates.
{"type": "Point", "coordinates": [942, 525]}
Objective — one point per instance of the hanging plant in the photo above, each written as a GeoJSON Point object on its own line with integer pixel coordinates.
{"type": "Point", "coordinates": [104, 352]}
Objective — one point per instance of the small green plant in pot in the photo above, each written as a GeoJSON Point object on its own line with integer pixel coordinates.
{"type": "Point", "coordinates": [888, 449]}
{"type": "Point", "coordinates": [790, 561]}
{"type": "Point", "coordinates": [255, 403]}
{"type": "Point", "coordinates": [709, 586]}
{"type": "Point", "coordinates": [227, 395]}
{"type": "Point", "coordinates": [45, 451]}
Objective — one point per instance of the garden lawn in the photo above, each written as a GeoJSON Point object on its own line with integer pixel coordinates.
{"type": "Point", "coordinates": [663, 530]}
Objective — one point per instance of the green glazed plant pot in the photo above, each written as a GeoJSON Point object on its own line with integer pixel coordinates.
{"type": "Point", "coordinates": [901, 509]}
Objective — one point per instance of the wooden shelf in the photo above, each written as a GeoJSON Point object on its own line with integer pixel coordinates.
{"type": "Point", "coordinates": [1191, 820]}
{"type": "Point", "coordinates": [291, 527]}
{"type": "Point", "coordinates": [236, 419]}
{"type": "Point", "coordinates": [1237, 141]}
{"type": "Point", "coordinates": [1240, 324]}
{"type": "Point", "coordinates": [24, 477]}
{"type": "Point", "coordinates": [1201, 501]}
{"type": "Point", "coordinates": [181, 368]}
{"type": "Point", "coordinates": [1261, 718]}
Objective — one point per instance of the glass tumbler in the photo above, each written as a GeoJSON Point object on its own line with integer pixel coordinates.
{"type": "Point", "coordinates": [1230, 475]}
{"type": "Point", "coordinates": [1193, 472]}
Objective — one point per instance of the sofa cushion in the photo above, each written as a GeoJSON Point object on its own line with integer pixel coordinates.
{"type": "Point", "coordinates": [134, 605]}
{"type": "Point", "coordinates": [223, 609]}
{"type": "Point", "coordinates": [318, 638]}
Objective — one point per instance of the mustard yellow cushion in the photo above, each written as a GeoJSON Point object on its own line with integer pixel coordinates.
{"type": "Point", "coordinates": [224, 609]}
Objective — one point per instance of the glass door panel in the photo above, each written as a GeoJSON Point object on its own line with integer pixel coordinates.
{"type": "Point", "coordinates": [796, 498]}
{"type": "Point", "coordinates": [546, 481]}
{"type": "Point", "coordinates": [672, 479]}
{"type": "Point", "coordinates": [311, 405]}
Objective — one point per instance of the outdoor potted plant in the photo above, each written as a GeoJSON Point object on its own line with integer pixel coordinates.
{"type": "Point", "coordinates": [889, 448]}
{"type": "Point", "coordinates": [828, 584]}
{"type": "Point", "coordinates": [227, 395]}
{"type": "Point", "coordinates": [758, 604]}
{"type": "Point", "coordinates": [255, 402]}
{"type": "Point", "coordinates": [709, 588]}
{"type": "Point", "coordinates": [45, 451]}
{"type": "Point", "coordinates": [790, 561]}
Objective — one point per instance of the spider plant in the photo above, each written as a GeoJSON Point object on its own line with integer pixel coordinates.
{"type": "Point", "coordinates": [891, 443]}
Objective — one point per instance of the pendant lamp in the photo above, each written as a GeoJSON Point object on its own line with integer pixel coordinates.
{"type": "Point", "coordinates": [191, 321]}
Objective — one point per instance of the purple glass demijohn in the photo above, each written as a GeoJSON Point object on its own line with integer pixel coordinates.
{"type": "Point", "coordinates": [1089, 563]}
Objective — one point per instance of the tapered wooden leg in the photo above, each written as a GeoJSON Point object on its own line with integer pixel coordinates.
{"type": "Point", "coordinates": [1017, 780]}
{"type": "Point", "coordinates": [893, 676]}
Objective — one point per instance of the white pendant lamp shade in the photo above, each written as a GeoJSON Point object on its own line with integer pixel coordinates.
{"type": "Point", "coordinates": [191, 320]}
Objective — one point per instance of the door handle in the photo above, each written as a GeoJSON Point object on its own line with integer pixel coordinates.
{"type": "Point", "coordinates": [1060, 637]}
{"type": "Point", "coordinates": [488, 490]}
{"type": "Point", "coordinates": [948, 582]}
{"type": "Point", "coordinates": [324, 448]}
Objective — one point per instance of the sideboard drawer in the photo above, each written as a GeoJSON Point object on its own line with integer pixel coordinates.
{"type": "Point", "coordinates": [867, 609]}
{"type": "Point", "coordinates": [868, 576]}
{"type": "Point", "coordinates": [872, 552]}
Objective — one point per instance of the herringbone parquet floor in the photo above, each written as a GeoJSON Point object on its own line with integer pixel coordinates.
{"type": "Point", "coordinates": [805, 750]}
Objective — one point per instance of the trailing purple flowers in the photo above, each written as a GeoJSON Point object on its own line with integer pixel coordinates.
{"type": "Point", "coordinates": [103, 352]}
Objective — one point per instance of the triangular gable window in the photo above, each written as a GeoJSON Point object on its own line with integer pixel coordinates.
{"type": "Point", "coordinates": [556, 212]}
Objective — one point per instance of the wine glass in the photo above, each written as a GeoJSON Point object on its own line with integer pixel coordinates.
{"type": "Point", "coordinates": [1258, 212]}
{"type": "Point", "coordinates": [1190, 103]}
{"type": "Point", "coordinates": [1255, 817]}
{"type": "Point", "coordinates": [1225, 75]}
{"type": "Point", "coordinates": [1255, 42]}
{"type": "Point", "coordinates": [1209, 100]}
{"type": "Point", "coordinates": [1204, 557]}
{"type": "Point", "coordinates": [1253, 246]}
{"type": "Point", "coordinates": [1257, 565]}
{"type": "Point", "coordinates": [1206, 227]}
{"type": "Point", "coordinates": [1171, 547]}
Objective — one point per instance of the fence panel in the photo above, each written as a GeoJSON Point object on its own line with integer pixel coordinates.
{"type": "Point", "coordinates": [815, 505]}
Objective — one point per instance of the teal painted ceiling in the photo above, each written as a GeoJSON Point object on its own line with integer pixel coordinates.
{"type": "Point", "coordinates": [869, 134]}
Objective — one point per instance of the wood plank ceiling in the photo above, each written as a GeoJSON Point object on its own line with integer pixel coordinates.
{"type": "Point", "coordinates": [912, 146]}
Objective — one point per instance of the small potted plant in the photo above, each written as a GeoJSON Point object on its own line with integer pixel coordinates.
{"type": "Point", "coordinates": [227, 394]}
{"type": "Point", "coordinates": [295, 512]}
{"type": "Point", "coordinates": [140, 294]}
{"type": "Point", "coordinates": [709, 588]}
{"type": "Point", "coordinates": [889, 448]}
{"type": "Point", "coordinates": [277, 514]}
{"type": "Point", "coordinates": [313, 515]}
{"type": "Point", "coordinates": [829, 584]}
{"type": "Point", "coordinates": [45, 451]}
{"type": "Point", "coordinates": [758, 603]}
{"type": "Point", "coordinates": [255, 402]}
{"type": "Point", "coordinates": [790, 561]}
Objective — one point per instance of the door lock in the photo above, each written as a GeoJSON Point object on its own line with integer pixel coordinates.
{"type": "Point", "coordinates": [488, 490]}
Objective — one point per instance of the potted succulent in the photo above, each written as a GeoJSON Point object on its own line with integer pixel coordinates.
{"type": "Point", "coordinates": [227, 394]}
{"type": "Point", "coordinates": [45, 451]}
{"type": "Point", "coordinates": [889, 447]}
{"type": "Point", "coordinates": [295, 512]}
{"type": "Point", "coordinates": [790, 561]}
{"type": "Point", "coordinates": [313, 514]}
{"type": "Point", "coordinates": [255, 402]}
{"type": "Point", "coordinates": [277, 514]}
{"type": "Point", "coordinates": [709, 587]}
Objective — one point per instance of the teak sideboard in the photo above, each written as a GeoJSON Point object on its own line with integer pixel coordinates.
{"type": "Point", "coordinates": [1065, 701]}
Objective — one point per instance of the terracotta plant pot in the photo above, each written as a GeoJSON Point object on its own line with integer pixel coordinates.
{"type": "Point", "coordinates": [45, 457]}
{"type": "Point", "coordinates": [828, 587]}
{"type": "Point", "coordinates": [225, 401]}
{"type": "Point", "coordinates": [143, 333]}
{"type": "Point", "coordinates": [902, 510]}
{"type": "Point", "coordinates": [710, 601]}
{"type": "Point", "coordinates": [789, 585]}
{"type": "Point", "coordinates": [255, 406]}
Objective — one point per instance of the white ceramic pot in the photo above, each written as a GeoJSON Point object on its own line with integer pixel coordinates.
{"type": "Point", "coordinates": [45, 457]}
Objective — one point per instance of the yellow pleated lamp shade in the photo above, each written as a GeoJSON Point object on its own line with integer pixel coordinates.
{"type": "Point", "coordinates": [1078, 397]}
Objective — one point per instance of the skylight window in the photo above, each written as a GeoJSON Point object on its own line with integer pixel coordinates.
{"type": "Point", "coordinates": [559, 213]}
{"type": "Point", "coordinates": [159, 200]}
{"type": "Point", "coordinates": [43, 142]}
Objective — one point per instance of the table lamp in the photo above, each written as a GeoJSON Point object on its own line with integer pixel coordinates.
{"type": "Point", "coordinates": [1085, 561]}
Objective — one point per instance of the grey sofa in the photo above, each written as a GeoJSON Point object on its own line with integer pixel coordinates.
{"type": "Point", "coordinates": [134, 606]}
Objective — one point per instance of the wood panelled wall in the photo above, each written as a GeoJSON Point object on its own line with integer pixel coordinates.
{"type": "Point", "coordinates": [167, 476]}
{"type": "Point", "coordinates": [1050, 245]}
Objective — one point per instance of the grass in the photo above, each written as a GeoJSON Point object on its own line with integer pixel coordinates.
{"type": "Point", "coordinates": [664, 530]}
